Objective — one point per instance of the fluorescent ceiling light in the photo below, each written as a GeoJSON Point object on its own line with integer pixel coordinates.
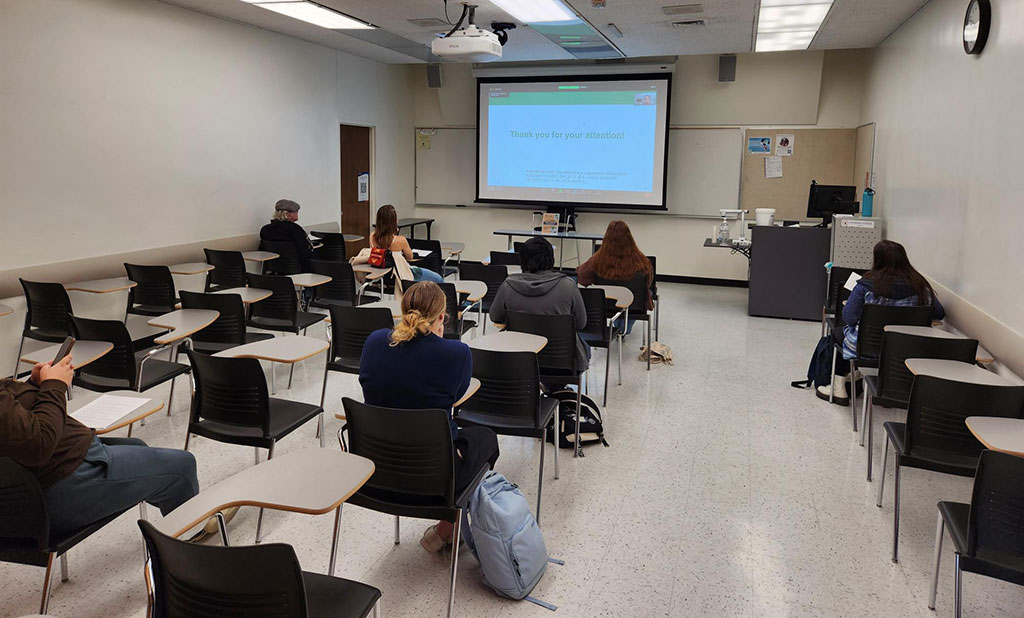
{"type": "Point", "coordinates": [791, 18]}
{"type": "Point", "coordinates": [536, 11]}
{"type": "Point", "coordinates": [767, 3]}
{"type": "Point", "coordinates": [315, 14]}
{"type": "Point", "coordinates": [779, 41]}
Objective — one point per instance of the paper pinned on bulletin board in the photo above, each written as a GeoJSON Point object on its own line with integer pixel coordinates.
{"type": "Point", "coordinates": [759, 145]}
{"type": "Point", "coordinates": [363, 187]}
{"type": "Point", "coordinates": [423, 138]}
{"type": "Point", "coordinates": [773, 167]}
{"type": "Point", "coordinates": [784, 144]}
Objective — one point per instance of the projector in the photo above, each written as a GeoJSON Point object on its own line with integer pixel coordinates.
{"type": "Point", "coordinates": [471, 44]}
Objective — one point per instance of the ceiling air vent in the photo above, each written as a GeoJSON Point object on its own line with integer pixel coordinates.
{"type": "Point", "coordinates": [430, 22]}
{"type": "Point", "coordinates": [683, 9]}
{"type": "Point", "coordinates": [688, 23]}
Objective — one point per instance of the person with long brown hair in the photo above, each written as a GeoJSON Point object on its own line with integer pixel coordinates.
{"type": "Point", "coordinates": [618, 259]}
{"type": "Point", "coordinates": [385, 236]}
{"type": "Point", "coordinates": [414, 366]}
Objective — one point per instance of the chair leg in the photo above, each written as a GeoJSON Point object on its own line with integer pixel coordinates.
{"type": "Point", "coordinates": [17, 360]}
{"type": "Point", "coordinates": [376, 609]}
{"type": "Point", "coordinates": [320, 427]}
{"type": "Point", "coordinates": [64, 567]}
{"type": "Point", "coordinates": [940, 528]}
{"type": "Point", "coordinates": [540, 475]}
{"type": "Point", "coordinates": [896, 509]}
{"type": "Point", "coordinates": [958, 585]}
{"type": "Point", "coordinates": [398, 531]}
{"type": "Point", "coordinates": [607, 364]}
{"type": "Point", "coordinates": [47, 581]}
{"type": "Point", "coordinates": [620, 359]}
{"type": "Point", "coordinates": [868, 428]}
{"type": "Point", "coordinates": [832, 383]}
{"type": "Point", "coordinates": [853, 393]}
{"type": "Point", "coordinates": [864, 416]}
{"type": "Point", "coordinates": [170, 397]}
{"type": "Point", "coordinates": [188, 435]}
{"type": "Point", "coordinates": [648, 343]}
{"type": "Point", "coordinates": [577, 447]}
{"type": "Point", "coordinates": [291, 372]}
{"type": "Point", "coordinates": [259, 518]}
{"type": "Point", "coordinates": [334, 540]}
{"type": "Point", "coordinates": [881, 480]}
{"type": "Point", "coordinates": [557, 433]}
{"type": "Point", "coordinates": [273, 378]}
{"type": "Point", "coordinates": [223, 527]}
{"type": "Point", "coordinates": [456, 533]}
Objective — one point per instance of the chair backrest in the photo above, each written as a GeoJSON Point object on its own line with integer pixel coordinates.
{"type": "Point", "coordinates": [595, 302]}
{"type": "Point", "coordinates": [493, 275]}
{"type": "Point", "coordinates": [637, 285]}
{"type": "Point", "coordinates": [228, 269]}
{"type": "Point", "coordinates": [350, 326]}
{"type": "Point", "coordinates": [433, 261]}
{"type": "Point", "coordinates": [411, 450]}
{"type": "Point", "coordinates": [509, 384]}
{"type": "Point", "coordinates": [452, 323]}
{"type": "Point", "coordinates": [505, 258]}
{"type": "Point", "coordinates": [191, 579]}
{"type": "Point", "coordinates": [938, 410]}
{"type": "Point", "coordinates": [230, 390]}
{"type": "Point", "coordinates": [229, 327]}
{"type": "Point", "coordinates": [119, 363]}
{"type": "Point", "coordinates": [155, 286]}
{"type": "Point", "coordinates": [287, 262]}
{"type": "Point", "coordinates": [837, 278]}
{"type": "Point", "coordinates": [895, 380]}
{"type": "Point", "coordinates": [876, 317]}
{"type": "Point", "coordinates": [518, 245]}
{"type": "Point", "coordinates": [341, 287]}
{"type": "Point", "coordinates": [48, 306]}
{"type": "Point", "coordinates": [654, 272]}
{"type": "Point", "coordinates": [560, 330]}
{"type": "Point", "coordinates": [282, 303]}
{"type": "Point", "coordinates": [23, 520]}
{"type": "Point", "coordinates": [996, 523]}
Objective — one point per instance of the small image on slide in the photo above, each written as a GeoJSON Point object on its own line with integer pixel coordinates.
{"type": "Point", "coordinates": [643, 98]}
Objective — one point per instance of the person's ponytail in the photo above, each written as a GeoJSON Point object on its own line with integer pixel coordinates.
{"type": "Point", "coordinates": [413, 324]}
{"type": "Point", "coordinates": [422, 304]}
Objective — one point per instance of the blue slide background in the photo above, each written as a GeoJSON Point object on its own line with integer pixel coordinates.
{"type": "Point", "coordinates": [508, 159]}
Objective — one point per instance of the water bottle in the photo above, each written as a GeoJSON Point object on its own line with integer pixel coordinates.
{"type": "Point", "coordinates": [723, 233]}
{"type": "Point", "coordinates": [867, 202]}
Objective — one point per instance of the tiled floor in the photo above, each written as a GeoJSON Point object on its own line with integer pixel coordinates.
{"type": "Point", "coordinates": [725, 492]}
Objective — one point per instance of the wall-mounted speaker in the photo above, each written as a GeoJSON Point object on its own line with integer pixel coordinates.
{"type": "Point", "coordinates": [727, 68]}
{"type": "Point", "coordinates": [433, 76]}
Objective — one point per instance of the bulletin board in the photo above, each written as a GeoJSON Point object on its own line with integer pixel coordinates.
{"type": "Point", "coordinates": [825, 155]}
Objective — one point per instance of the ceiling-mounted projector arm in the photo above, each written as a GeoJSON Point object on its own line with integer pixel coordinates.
{"type": "Point", "coordinates": [468, 11]}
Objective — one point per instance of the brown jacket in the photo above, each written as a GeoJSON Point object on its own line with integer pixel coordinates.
{"type": "Point", "coordinates": [36, 431]}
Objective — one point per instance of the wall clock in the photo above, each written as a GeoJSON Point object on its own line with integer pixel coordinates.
{"type": "Point", "coordinates": [976, 25]}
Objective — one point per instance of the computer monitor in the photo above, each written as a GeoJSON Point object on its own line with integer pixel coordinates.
{"type": "Point", "coordinates": [823, 201]}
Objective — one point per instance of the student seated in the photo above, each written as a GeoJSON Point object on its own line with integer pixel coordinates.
{"type": "Point", "coordinates": [385, 236]}
{"type": "Point", "coordinates": [891, 281]}
{"type": "Point", "coordinates": [283, 227]}
{"type": "Point", "coordinates": [542, 291]}
{"type": "Point", "coordinates": [618, 259]}
{"type": "Point", "coordinates": [84, 479]}
{"type": "Point", "coordinates": [415, 367]}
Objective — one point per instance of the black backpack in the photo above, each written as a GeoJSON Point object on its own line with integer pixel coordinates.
{"type": "Point", "coordinates": [819, 372]}
{"type": "Point", "coordinates": [591, 428]}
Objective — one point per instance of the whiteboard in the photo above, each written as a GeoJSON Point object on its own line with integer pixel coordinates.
{"type": "Point", "coordinates": [703, 169]}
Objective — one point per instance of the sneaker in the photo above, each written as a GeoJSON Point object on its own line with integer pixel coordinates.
{"type": "Point", "coordinates": [839, 396]}
{"type": "Point", "coordinates": [432, 541]}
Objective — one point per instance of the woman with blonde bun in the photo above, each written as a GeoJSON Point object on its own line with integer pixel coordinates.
{"type": "Point", "coordinates": [414, 367]}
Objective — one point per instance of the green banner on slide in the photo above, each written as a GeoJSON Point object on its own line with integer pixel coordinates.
{"type": "Point", "coordinates": [565, 97]}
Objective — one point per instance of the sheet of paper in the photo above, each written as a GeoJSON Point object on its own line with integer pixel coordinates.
{"type": "Point", "coordinates": [421, 252]}
{"type": "Point", "coordinates": [784, 144]}
{"type": "Point", "coordinates": [106, 410]}
{"type": "Point", "coordinates": [852, 281]}
{"type": "Point", "coordinates": [773, 167]}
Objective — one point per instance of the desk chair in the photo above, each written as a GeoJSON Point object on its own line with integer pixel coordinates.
{"type": "Point", "coordinates": [835, 294]}
{"type": "Point", "coordinates": [340, 290]}
{"type": "Point", "coordinates": [190, 579]}
{"type": "Point", "coordinates": [557, 361]}
{"type": "Point", "coordinates": [231, 405]}
{"type": "Point", "coordinates": [287, 262]}
{"type": "Point", "coordinates": [434, 261]}
{"type": "Point", "coordinates": [510, 403]}
{"type": "Point", "coordinates": [988, 533]}
{"type": "Point", "coordinates": [25, 535]}
{"type": "Point", "coordinates": [280, 312]}
{"type": "Point", "coordinates": [504, 258]}
{"type": "Point", "coordinates": [124, 367]}
{"type": "Point", "coordinates": [456, 326]}
{"type": "Point", "coordinates": [154, 293]}
{"type": "Point", "coordinates": [228, 330]}
{"type": "Point", "coordinates": [332, 248]}
{"type": "Point", "coordinates": [935, 436]}
{"type": "Point", "coordinates": [598, 331]}
{"type": "Point", "coordinates": [654, 293]}
{"type": "Point", "coordinates": [891, 387]}
{"type": "Point", "coordinates": [46, 318]}
{"type": "Point", "coordinates": [493, 275]}
{"type": "Point", "coordinates": [350, 326]}
{"type": "Point", "coordinates": [637, 311]}
{"type": "Point", "coordinates": [421, 482]}
{"type": "Point", "coordinates": [228, 270]}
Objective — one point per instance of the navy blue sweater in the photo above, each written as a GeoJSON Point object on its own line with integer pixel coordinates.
{"type": "Point", "coordinates": [864, 294]}
{"type": "Point", "coordinates": [426, 372]}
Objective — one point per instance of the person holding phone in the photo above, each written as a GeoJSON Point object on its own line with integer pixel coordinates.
{"type": "Point", "coordinates": [84, 478]}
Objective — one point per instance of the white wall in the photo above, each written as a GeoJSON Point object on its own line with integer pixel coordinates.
{"type": "Point", "coordinates": [948, 154]}
{"type": "Point", "coordinates": [814, 88]}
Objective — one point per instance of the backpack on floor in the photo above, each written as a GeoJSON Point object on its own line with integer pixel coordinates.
{"type": "Point", "coordinates": [591, 427]}
{"type": "Point", "coordinates": [819, 372]}
{"type": "Point", "coordinates": [505, 538]}
{"type": "Point", "coordinates": [660, 353]}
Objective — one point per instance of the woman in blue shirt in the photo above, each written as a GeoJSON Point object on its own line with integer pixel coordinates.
{"type": "Point", "coordinates": [891, 281]}
{"type": "Point", "coordinates": [414, 366]}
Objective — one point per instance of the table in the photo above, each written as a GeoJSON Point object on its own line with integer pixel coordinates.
{"type": "Point", "coordinates": [82, 354]}
{"type": "Point", "coordinates": [309, 280]}
{"type": "Point", "coordinates": [982, 356]}
{"type": "Point", "coordinates": [412, 222]}
{"type": "Point", "coordinates": [312, 481]}
{"type": "Point", "coordinates": [509, 341]}
{"type": "Point", "coordinates": [744, 250]}
{"type": "Point", "coordinates": [260, 256]}
{"type": "Point", "coordinates": [955, 371]}
{"type": "Point", "coordinates": [474, 290]}
{"type": "Point", "coordinates": [101, 286]}
{"type": "Point", "coordinates": [290, 349]}
{"type": "Point", "coordinates": [191, 268]}
{"type": "Point", "coordinates": [474, 386]}
{"type": "Point", "coordinates": [452, 246]}
{"type": "Point", "coordinates": [5, 310]}
{"type": "Point", "coordinates": [561, 236]}
{"type": "Point", "coordinates": [345, 237]}
{"type": "Point", "coordinates": [394, 305]}
{"type": "Point", "coordinates": [182, 323]}
{"type": "Point", "coordinates": [372, 272]}
{"type": "Point", "coordinates": [1005, 435]}
{"type": "Point", "coordinates": [249, 295]}
{"type": "Point", "coordinates": [621, 296]}
{"type": "Point", "coordinates": [147, 407]}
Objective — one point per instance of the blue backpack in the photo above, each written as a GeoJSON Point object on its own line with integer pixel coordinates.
{"type": "Point", "coordinates": [505, 538]}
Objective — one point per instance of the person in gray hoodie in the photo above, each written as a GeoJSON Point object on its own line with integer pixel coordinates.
{"type": "Point", "coordinates": [542, 291]}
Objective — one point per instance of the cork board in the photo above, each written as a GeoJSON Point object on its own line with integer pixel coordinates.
{"type": "Point", "coordinates": [825, 155]}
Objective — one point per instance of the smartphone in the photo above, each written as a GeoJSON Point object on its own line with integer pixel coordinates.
{"type": "Point", "coordinates": [65, 349]}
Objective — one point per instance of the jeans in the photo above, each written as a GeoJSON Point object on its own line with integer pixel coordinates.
{"type": "Point", "coordinates": [425, 274]}
{"type": "Point", "coordinates": [119, 473]}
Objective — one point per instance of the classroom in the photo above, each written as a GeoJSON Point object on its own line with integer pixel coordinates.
{"type": "Point", "coordinates": [511, 308]}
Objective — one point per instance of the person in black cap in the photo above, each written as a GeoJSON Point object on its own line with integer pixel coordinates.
{"type": "Point", "coordinates": [283, 228]}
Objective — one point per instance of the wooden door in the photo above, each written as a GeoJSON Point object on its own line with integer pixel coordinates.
{"type": "Point", "coordinates": [355, 160]}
